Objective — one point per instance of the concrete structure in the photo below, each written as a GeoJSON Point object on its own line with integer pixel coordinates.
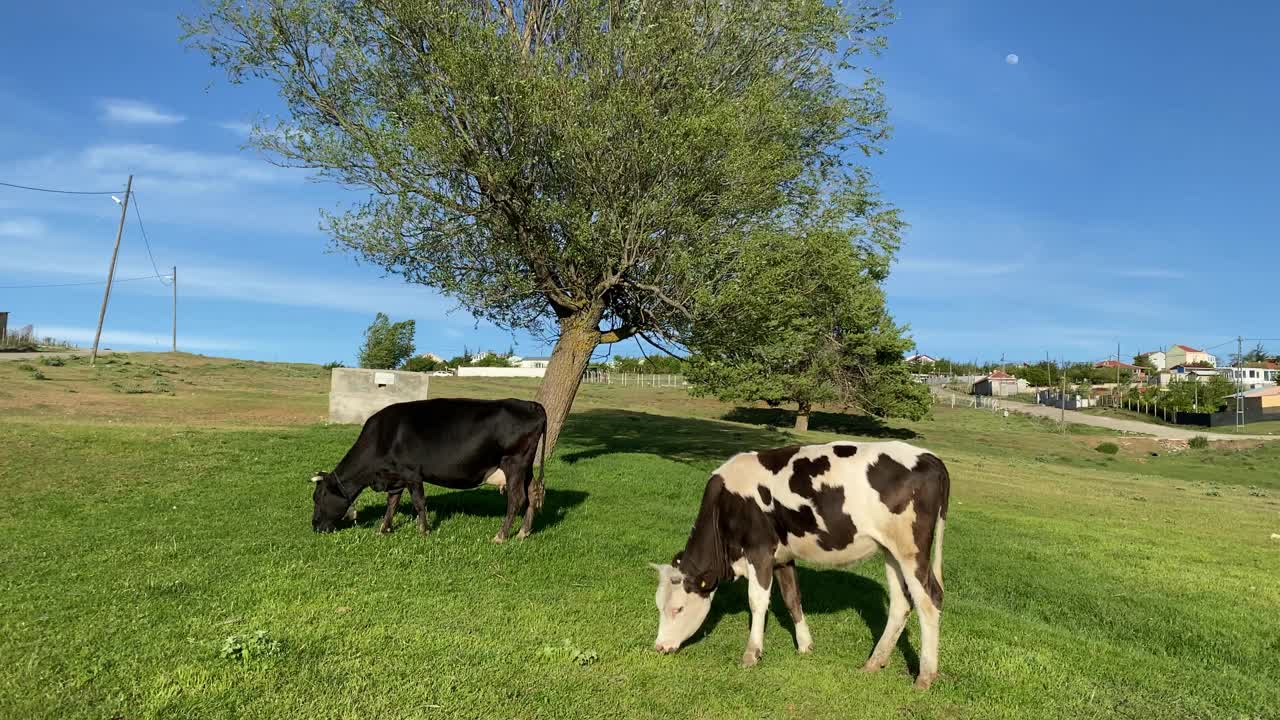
{"type": "Point", "coordinates": [999, 384]}
{"type": "Point", "coordinates": [1054, 398]}
{"type": "Point", "coordinates": [1185, 355]}
{"type": "Point", "coordinates": [921, 360]}
{"type": "Point", "coordinates": [471, 371]}
{"type": "Point", "coordinates": [357, 393]}
{"type": "Point", "coordinates": [1181, 372]}
{"type": "Point", "coordinates": [1158, 359]}
{"type": "Point", "coordinates": [533, 362]}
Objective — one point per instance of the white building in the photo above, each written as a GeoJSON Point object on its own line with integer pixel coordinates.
{"type": "Point", "coordinates": [1251, 378]}
{"type": "Point", "coordinates": [1157, 358]}
{"type": "Point", "coordinates": [532, 362]}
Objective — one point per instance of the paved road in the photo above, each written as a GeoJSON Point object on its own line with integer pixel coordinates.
{"type": "Point", "coordinates": [1133, 426]}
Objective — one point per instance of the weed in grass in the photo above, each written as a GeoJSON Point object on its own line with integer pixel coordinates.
{"type": "Point", "coordinates": [244, 648]}
{"type": "Point", "coordinates": [26, 367]}
{"type": "Point", "coordinates": [567, 651]}
{"type": "Point", "coordinates": [1107, 448]}
{"type": "Point", "coordinates": [52, 361]}
{"type": "Point", "coordinates": [1199, 442]}
{"type": "Point", "coordinates": [37, 375]}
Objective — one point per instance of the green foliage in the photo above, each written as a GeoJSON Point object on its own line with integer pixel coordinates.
{"type": "Point", "coordinates": [492, 360]}
{"type": "Point", "coordinates": [242, 649]}
{"type": "Point", "coordinates": [1195, 396]}
{"type": "Point", "coordinates": [1144, 361]}
{"type": "Point", "coordinates": [801, 318]}
{"type": "Point", "coordinates": [556, 166]}
{"type": "Point", "coordinates": [419, 363]}
{"type": "Point", "coordinates": [569, 652]}
{"type": "Point", "coordinates": [1199, 442]}
{"type": "Point", "coordinates": [386, 344]}
{"type": "Point", "coordinates": [334, 364]}
{"type": "Point", "coordinates": [52, 361]}
{"type": "Point", "coordinates": [1041, 374]}
{"type": "Point", "coordinates": [652, 364]}
{"type": "Point", "coordinates": [1107, 448]}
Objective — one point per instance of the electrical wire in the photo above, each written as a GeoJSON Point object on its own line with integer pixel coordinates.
{"type": "Point", "coordinates": [138, 214]}
{"type": "Point", "coordinates": [76, 284]}
{"type": "Point", "coordinates": [62, 192]}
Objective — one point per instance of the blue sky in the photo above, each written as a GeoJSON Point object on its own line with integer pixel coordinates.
{"type": "Point", "coordinates": [1117, 184]}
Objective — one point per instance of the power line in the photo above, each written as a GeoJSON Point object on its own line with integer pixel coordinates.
{"type": "Point", "coordinates": [137, 214]}
{"type": "Point", "coordinates": [60, 192]}
{"type": "Point", "coordinates": [77, 284]}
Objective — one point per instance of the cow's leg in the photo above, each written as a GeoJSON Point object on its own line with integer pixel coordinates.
{"type": "Point", "coordinates": [930, 612]}
{"type": "Point", "coordinates": [527, 526]}
{"type": "Point", "coordinates": [516, 483]}
{"type": "Point", "coordinates": [790, 589]}
{"type": "Point", "coordinates": [393, 501]}
{"type": "Point", "coordinates": [759, 586]}
{"type": "Point", "coordinates": [899, 608]}
{"type": "Point", "coordinates": [419, 499]}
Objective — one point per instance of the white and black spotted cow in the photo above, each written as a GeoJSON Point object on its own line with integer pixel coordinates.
{"type": "Point", "coordinates": [829, 504]}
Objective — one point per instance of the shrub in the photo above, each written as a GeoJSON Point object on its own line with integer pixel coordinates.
{"type": "Point", "coordinates": [52, 361]}
{"type": "Point", "coordinates": [1198, 442]}
{"type": "Point", "coordinates": [334, 364]}
{"type": "Point", "coordinates": [1108, 448]}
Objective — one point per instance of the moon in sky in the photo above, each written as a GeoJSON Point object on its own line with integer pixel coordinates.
{"type": "Point", "coordinates": [1011, 59]}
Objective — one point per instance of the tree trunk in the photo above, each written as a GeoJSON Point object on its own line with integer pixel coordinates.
{"type": "Point", "coordinates": [579, 336]}
{"type": "Point", "coordinates": [802, 417]}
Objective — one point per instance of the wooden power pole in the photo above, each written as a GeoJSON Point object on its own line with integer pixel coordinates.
{"type": "Point", "coordinates": [174, 279]}
{"type": "Point", "coordinates": [111, 271]}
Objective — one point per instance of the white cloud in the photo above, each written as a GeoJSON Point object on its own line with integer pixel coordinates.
{"type": "Point", "coordinates": [1151, 273]}
{"type": "Point", "coordinates": [136, 112]}
{"type": "Point", "coordinates": [952, 266]}
{"type": "Point", "coordinates": [21, 227]}
{"type": "Point", "coordinates": [114, 339]}
{"type": "Point", "coordinates": [239, 128]}
{"type": "Point", "coordinates": [199, 169]}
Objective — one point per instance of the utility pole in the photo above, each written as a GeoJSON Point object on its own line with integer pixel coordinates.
{"type": "Point", "coordinates": [1239, 383]}
{"type": "Point", "coordinates": [111, 271]}
{"type": "Point", "coordinates": [174, 279]}
{"type": "Point", "coordinates": [1049, 364]}
{"type": "Point", "coordinates": [1062, 398]}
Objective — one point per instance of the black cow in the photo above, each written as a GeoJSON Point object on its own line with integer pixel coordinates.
{"type": "Point", "coordinates": [452, 443]}
{"type": "Point", "coordinates": [829, 504]}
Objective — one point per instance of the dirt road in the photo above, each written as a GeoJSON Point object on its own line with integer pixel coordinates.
{"type": "Point", "coordinates": [1132, 426]}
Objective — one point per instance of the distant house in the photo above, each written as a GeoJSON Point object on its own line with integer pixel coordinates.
{"type": "Point", "coordinates": [1187, 355]}
{"type": "Point", "coordinates": [533, 362]}
{"type": "Point", "coordinates": [1254, 375]}
{"type": "Point", "coordinates": [921, 360]}
{"type": "Point", "coordinates": [1113, 364]}
{"type": "Point", "coordinates": [1158, 359]}
{"type": "Point", "coordinates": [1184, 373]}
{"type": "Point", "coordinates": [999, 384]}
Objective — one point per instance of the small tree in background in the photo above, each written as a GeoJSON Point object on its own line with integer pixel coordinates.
{"type": "Point", "coordinates": [423, 364]}
{"type": "Point", "coordinates": [387, 344]}
{"type": "Point", "coordinates": [801, 318]}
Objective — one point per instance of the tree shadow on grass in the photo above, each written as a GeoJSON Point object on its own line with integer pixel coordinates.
{"type": "Point", "coordinates": [859, 425]}
{"type": "Point", "coordinates": [821, 592]}
{"type": "Point", "coordinates": [484, 501]}
{"type": "Point", "coordinates": [595, 433]}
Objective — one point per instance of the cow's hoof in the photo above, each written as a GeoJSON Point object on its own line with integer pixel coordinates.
{"type": "Point", "coordinates": [424, 530]}
{"type": "Point", "coordinates": [872, 665]}
{"type": "Point", "coordinates": [805, 649]}
{"type": "Point", "coordinates": [522, 534]}
{"type": "Point", "coordinates": [923, 682]}
{"type": "Point", "coordinates": [750, 657]}
{"type": "Point", "coordinates": [384, 531]}
{"type": "Point", "coordinates": [499, 539]}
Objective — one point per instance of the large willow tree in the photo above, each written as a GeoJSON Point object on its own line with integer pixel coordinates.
{"type": "Point", "coordinates": [576, 169]}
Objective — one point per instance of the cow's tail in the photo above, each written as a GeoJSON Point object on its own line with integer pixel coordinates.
{"type": "Point", "coordinates": [538, 489]}
{"type": "Point", "coordinates": [944, 488]}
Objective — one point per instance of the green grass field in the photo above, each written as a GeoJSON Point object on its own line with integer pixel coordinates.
{"type": "Point", "coordinates": [146, 523]}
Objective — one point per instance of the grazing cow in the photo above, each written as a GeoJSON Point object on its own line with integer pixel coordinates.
{"type": "Point", "coordinates": [453, 443]}
{"type": "Point", "coordinates": [831, 504]}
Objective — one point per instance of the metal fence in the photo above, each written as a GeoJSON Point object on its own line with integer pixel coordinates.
{"type": "Point", "coordinates": [654, 380]}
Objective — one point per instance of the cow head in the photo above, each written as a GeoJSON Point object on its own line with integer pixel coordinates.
{"type": "Point", "coordinates": [681, 608]}
{"type": "Point", "coordinates": [331, 502]}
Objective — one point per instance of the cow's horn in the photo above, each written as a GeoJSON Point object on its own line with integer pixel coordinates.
{"type": "Point", "coordinates": [317, 478]}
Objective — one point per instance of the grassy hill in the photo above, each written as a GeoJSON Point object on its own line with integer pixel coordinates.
{"type": "Point", "coordinates": [157, 518]}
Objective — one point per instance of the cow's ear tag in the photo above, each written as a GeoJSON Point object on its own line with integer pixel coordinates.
{"type": "Point", "coordinates": [702, 583]}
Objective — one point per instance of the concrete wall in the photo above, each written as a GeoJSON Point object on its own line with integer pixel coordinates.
{"type": "Point", "coordinates": [356, 393]}
{"type": "Point", "coordinates": [467, 371]}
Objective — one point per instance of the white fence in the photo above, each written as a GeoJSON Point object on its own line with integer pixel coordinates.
{"type": "Point", "coordinates": [600, 377]}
